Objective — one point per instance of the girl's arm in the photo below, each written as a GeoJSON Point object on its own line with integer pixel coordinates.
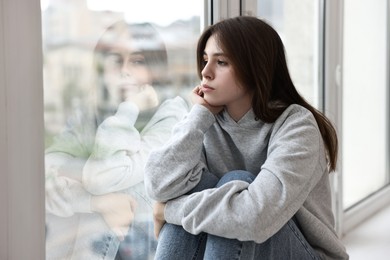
{"type": "Point", "coordinates": [118, 158]}
{"type": "Point", "coordinates": [176, 168]}
{"type": "Point", "coordinates": [113, 164]}
{"type": "Point", "coordinates": [294, 165]}
{"type": "Point", "coordinates": [64, 161]}
{"type": "Point", "coordinates": [64, 196]}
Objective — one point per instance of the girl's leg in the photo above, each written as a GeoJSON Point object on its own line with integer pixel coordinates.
{"type": "Point", "coordinates": [288, 243]}
{"type": "Point", "coordinates": [237, 175]}
{"type": "Point", "coordinates": [174, 243]}
{"type": "Point", "coordinates": [224, 248]}
{"type": "Point", "coordinates": [139, 243]}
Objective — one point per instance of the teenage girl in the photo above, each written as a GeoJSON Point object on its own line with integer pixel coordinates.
{"type": "Point", "coordinates": [246, 173]}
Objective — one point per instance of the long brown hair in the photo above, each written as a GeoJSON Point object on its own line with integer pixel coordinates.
{"type": "Point", "coordinates": [258, 58]}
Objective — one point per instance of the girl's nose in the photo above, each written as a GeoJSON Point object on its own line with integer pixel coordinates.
{"type": "Point", "coordinates": [207, 72]}
{"type": "Point", "coordinates": [125, 69]}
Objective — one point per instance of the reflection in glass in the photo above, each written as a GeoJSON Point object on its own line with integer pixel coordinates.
{"type": "Point", "coordinates": [113, 91]}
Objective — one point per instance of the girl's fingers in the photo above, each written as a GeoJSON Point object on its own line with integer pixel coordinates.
{"type": "Point", "coordinates": [196, 90]}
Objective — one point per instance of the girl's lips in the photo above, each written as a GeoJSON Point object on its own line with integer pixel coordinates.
{"type": "Point", "coordinates": [207, 88]}
{"type": "Point", "coordinates": [127, 85]}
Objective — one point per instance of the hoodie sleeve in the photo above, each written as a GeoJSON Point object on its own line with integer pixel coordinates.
{"type": "Point", "coordinates": [120, 151]}
{"type": "Point", "coordinates": [177, 167]}
{"type": "Point", "coordinates": [64, 161]}
{"type": "Point", "coordinates": [64, 195]}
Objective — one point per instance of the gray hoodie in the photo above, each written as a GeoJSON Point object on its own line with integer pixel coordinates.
{"type": "Point", "coordinates": [287, 156]}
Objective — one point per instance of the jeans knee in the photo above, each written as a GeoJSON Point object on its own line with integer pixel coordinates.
{"type": "Point", "coordinates": [236, 175]}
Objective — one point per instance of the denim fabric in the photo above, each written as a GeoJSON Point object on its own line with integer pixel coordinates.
{"type": "Point", "coordinates": [92, 241]}
{"type": "Point", "coordinates": [87, 236]}
{"type": "Point", "coordinates": [139, 244]}
{"type": "Point", "coordinates": [175, 243]}
{"type": "Point", "coordinates": [82, 236]}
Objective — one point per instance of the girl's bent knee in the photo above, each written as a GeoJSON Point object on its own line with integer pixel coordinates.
{"type": "Point", "coordinates": [236, 175]}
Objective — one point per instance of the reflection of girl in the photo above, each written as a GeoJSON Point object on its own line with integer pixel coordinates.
{"type": "Point", "coordinates": [96, 164]}
{"type": "Point", "coordinates": [246, 173]}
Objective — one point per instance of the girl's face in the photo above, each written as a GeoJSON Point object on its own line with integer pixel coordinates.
{"type": "Point", "coordinates": [219, 84]}
{"type": "Point", "coordinates": [125, 70]}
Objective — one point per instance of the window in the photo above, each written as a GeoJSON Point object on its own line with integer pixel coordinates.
{"type": "Point", "coordinates": [365, 100]}
{"type": "Point", "coordinates": [297, 22]}
{"type": "Point", "coordinates": [104, 59]}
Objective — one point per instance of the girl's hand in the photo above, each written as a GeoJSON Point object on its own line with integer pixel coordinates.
{"type": "Point", "coordinates": [117, 211]}
{"type": "Point", "coordinates": [197, 97]}
{"type": "Point", "coordinates": [158, 217]}
{"type": "Point", "coordinates": [146, 98]}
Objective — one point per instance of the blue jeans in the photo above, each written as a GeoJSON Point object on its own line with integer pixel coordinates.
{"type": "Point", "coordinates": [176, 243]}
{"type": "Point", "coordinates": [139, 243]}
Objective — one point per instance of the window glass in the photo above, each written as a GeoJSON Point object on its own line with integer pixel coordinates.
{"type": "Point", "coordinates": [116, 79]}
{"type": "Point", "coordinates": [296, 21]}
{"type": "Point", "coordinates": [365, 100]}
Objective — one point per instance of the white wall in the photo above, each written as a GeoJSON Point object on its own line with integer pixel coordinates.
{"type": "Point", "coordinates": [21, 127]}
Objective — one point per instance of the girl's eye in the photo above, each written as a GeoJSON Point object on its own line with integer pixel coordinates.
{"type": "Point", "coordinates": [137, 59]}
{"type": "Point", "coordinates": [222, 63]}
{"type": "Point", "coordinates": [113, 60]}
{"type": "Point", "coordinates": [204, 62]}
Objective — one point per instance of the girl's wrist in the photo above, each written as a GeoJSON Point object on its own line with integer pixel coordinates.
{"type": "Point", "coordinates": [95, 205]}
